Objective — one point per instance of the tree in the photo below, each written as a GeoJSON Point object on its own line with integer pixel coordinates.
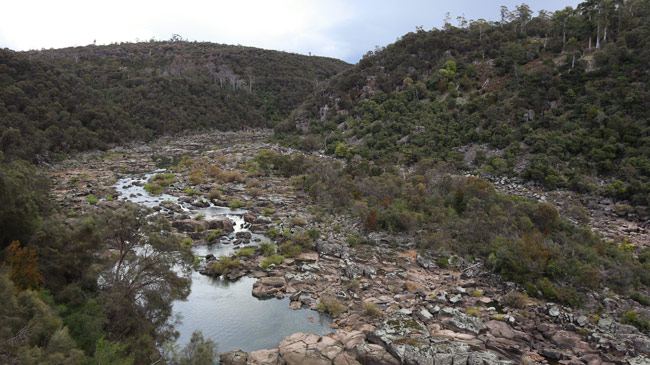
{"type": "Point", "coordinates": [24, 266]}
{"type": "Point", "coordinates": [340, 151]}
{"type": "Point", "coordinates": [147, 271]}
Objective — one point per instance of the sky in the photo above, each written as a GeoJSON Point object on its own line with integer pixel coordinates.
{"type": "Point", "coordinates": [331, 28]}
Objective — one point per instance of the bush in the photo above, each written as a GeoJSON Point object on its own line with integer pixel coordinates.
{"type": "Point", "coordinates": [515, 300]}
{"type": "Point", "coordinates": [331, 305]}
{"type": "Point", "coordinates": [236, 204]}
{"type": "Point", "coordinates": [290, 249]}
{"type": "Point", "coordinates": [187, 242]}
{"type": "Point", "coordinates": [370, 309]}
{"type": "Point", "coordinates": [224, 265]}
{"type": "Point", "coordinates": [268, 248]}
{"type": "Point", "coordinates": [153, 188]}
{"type": "Point", "coordinates": [636, 320]}
{"type": "Point", "coordinates": [92, 199]}
{"type": "Point", "coordinates": [213, 235]}
{"type": "Point", "coordinates": [271, 260]}
{"type": "Point", "coordinates": [247, 251]}
{"type": "Point", "coordinates": [190, 191]}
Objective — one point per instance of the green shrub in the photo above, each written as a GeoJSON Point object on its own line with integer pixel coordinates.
{"type": "Point", "coordinates": [224, 265]}
{"type": "Point", "coordinates": [331, 305]}
{"type": "Point", "coordinates": [353, 285]}
{"type": "Point", "coordinates": [153, 188]}
{"type": "Point", "coordinates": [236, 203]}
{"type": "Point", "coordinates": [213, 235]}
{"type": "Point", "coordinates": [636, 320]}
{"type": "Point", "coordinates": [274, 259]}
{"type": "Point", "coordinates": [289, 249]}
{"type": "Point", "coordinates": [443, 262]}
{"type": "Point", "coordinates": [109, 197]}
{"type": "Point", "coordinates": [370, 309]}
{"type": "Point", "coordinates": [188, 242]}
{"type": "Point", "coordinates": [515, 300]}
{"type": "Point", "coordinates": [267, 212]}
{"type": "Point", "coordinates": [190, 191]}
{"type": "Point", "coordinates": [248, 251]}
{"type": "Point", "coordinates": [92, 199]}
{"type": "Point", "coordinates": [268, 248]}
{"type": "Point", "coordinates": [477, 293]}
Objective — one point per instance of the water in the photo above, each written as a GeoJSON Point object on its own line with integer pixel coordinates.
{"type": "Point", "coordinates": [226, 311]}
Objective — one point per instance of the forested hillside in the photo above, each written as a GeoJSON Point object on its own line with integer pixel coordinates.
{"type": "Point", "coordinates": [84, 98]}
{"type": "Point", "coordinates": [559, 98]}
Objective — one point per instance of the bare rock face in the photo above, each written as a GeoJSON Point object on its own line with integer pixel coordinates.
{"type": "Point", "coordinates": [235, 357]}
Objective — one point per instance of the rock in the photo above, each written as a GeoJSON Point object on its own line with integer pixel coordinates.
{"type": "Point", "coordinates": [350, 339]}
{"type": "Point", "coordinates": [337, 250]}
{"type": "Point", "coordinates": [582, 320]}
{"type": "Point", "coordinates": [303, 348]}
{"type": "Point", "coordinates": [456, 298]}
{"type": "Point", "coordinates": [307, 257]}
{"type": "Point", "coordinates": [371, 354]}
{"type": "Point", "coordinates": [222, 223]}
{"type": "Point", "coordinates": [462, 321]}
{"type": "Point", "coordinates": [264, 357]}
{"type": "Point", "coordinates": [357, 271]}
{"type": "Point", "coordinates": [345, 359]}
{"type": "Point", "coordinates": [424, 315]}
{"type": "Point", "coordinates": [235, 357]}
{"type": "Point", "coordinates": [295, 305]}
{"type": "Point", "coordinates": [249, 218]}
{"type": "Point", "coordinates": [502, 329]}
{"type": "Point", "coordinates": [244, 234]}
{"type": "Point", "coordinates": [605, 323]}
{"type": "Point", "coordinates": [554, 311]}
{"type": "Point", "coordinates": [642, 344]}
{"type": "Point", "coordinates": [268, 286]}
{"type": "Point", "coordinates": [565, 340]}
{"type": "Point", "coordinates": [190, 225]}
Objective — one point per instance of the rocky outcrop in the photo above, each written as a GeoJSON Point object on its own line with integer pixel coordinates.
{"type": "Point", "coordinates": [222, 223]}
{"type": "Point", "coordinates": [190, 225]}
{"type": "Point", "coordinates": [269, 286]}
{"type": "Point", "coordinates": [235, 357]}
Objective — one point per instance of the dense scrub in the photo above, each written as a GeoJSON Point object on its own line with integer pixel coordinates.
{"type": "Point", "coordinates": [560, 97]}
{"type": "Point", "coordinates": [464, 217]}
{"type": "Point", "coordinates": [82, 98]}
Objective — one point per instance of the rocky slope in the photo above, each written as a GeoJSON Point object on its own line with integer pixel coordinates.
{"type": "Point", "coordinates": [392, 303]}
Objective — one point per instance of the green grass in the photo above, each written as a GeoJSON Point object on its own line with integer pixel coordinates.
{"type": "Point", "coordinates": [92, 199]}
{"type": "Point", "coordinates": [236, 203]}
{"type": "Point", "coordinates": [190, 191]}
{"type": "Point", "coordinates": [153, 188]}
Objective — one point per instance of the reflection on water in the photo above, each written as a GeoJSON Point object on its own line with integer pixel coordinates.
{"type": "Point", "coordinates": [225, 311]}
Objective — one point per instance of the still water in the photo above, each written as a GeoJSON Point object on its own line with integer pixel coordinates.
{"type": "Point", "coordinates": [223, 310]}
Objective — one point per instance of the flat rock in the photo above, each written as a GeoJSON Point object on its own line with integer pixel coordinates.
{"type": "Point", "coordinates": [265, 357]}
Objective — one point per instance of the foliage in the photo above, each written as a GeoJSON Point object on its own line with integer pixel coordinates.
{"type": "Point", "coordinates": [551, 93]}
{"type": "Point", "coordinates": [267, 248]}
{"type": "Point", "coordinates": [274, 259]}
{"type": "Point", "coordinates": [24, 266]}
{"type": "Point", "coordinates": [91, 199]}
{"type": "Point", "coordinates": [82, 98]}
{"type": "Point", "coordinates": [247, 251]}
{"type": "Point", "coordinates": [224, 265]}
{"type": "Point", "coordinates": [371, 309]}
{"type": "Point", "coordinates": [331, 305]}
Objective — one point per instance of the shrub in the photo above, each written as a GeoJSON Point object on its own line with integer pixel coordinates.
{"type": "Point", "coordinates": [353, 285]}
{"type": "Point", "coordinates": [331, 305]}
{"type": "Point", "coordinates": [267, 248]}
{"type": "Point", "coordinates": [274, 259]}
{"type": "Point", "coordinates": [370, 309]}
{"type": "Point", "coordinates": [515, 300]}
{"type": "Point", "coordinates": [153, 188]}
{"type": "Point", "coordinates": [190, 191]}
{"type": "Point", "coordinates": [636, 320]}
{"type": "Point", "coordinates": [498, 317]}
{"type": "Point", "coordinates": [443, 262]}
{"type": "Point", "coordinates": [236, 204]}
{"type": "Point", "coordinates": [267, 212]}
{"type": "Point", "coordinates": [213, 235]}
{"type": "Point", "coordinates": [477, 293]}
{"type": "Point", "coordinates": [109, 197]}
{"type": "Point", "coordinates": [92, 199]}
{"type": "Point", "coordinates": [474, 312]}
{"type": "Point", "coordinates": [199, 216]}
{"type": "Point", "coordinates": [247, 251]}
{"type": "Point", "coordinates": [224, 265]}
{"type": "Point", "coordinates": [290, 249]}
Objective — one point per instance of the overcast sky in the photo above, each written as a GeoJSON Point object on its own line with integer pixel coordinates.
{"type": "Point", "coordinates": [333, 28]}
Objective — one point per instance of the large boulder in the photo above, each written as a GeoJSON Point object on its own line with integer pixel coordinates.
{"type": "Point", "coordinates": [269, 286]}
{"type": "Point", "coordinates": [222, 223]}
{"type": "Point", "coordinates": [461, 321]}
{"type": "Point", "coordinates": [304, 348]}
{"type": "Point", "coordinates": [265, 357]}
{"type": "Point", "coordinates": [235, 357]}
{"type": "Point", "coordinates": [190, 225]}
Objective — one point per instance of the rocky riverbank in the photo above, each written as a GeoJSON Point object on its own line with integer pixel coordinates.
{"type": "Point", "coordinates": [392, 304]}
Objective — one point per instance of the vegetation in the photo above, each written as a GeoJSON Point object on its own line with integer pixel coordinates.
{"type": "Point", "coordinates": [247, 251]}
{"type": "Point", "coordinates": [224, 265]}
{"type": "Point", "coordinates": [557, 98]}
{"type": "Point", "coordinates": [331, 305]}
{"type": "Point", "coordinates": [274, 259]}
{"type": "Point", "coordinates": [81, 98]}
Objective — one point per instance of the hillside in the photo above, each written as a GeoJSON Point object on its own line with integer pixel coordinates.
{"type": "Point", "coordinates": [82, 98]}
{"type": "Point", "coordinates": [559, 99]}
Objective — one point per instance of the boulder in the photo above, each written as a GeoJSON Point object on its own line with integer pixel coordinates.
{"type": "Point", "coordinates": [269, 287]}
{"type": "Point", "coordinates": [244, 234]}
{"type": "Point", "coordinates": [334, 249]}
{"type": "Point", "coordinates": [190, 225]}
{"type": "Point", "coordinates": [222, 223]}
{"type": "Point", "coordinates": [461, 321]}
{"type": "Point", "coordinates": [303, 348]}
{"type": "Point", "coordinates": [265, 357]}
{"type": "Point", "coordinates": [249, 218]}
{"type": "Point", "coordinates": [235, 357]}
{"type": "Point", "coordinates": [371, 354]}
